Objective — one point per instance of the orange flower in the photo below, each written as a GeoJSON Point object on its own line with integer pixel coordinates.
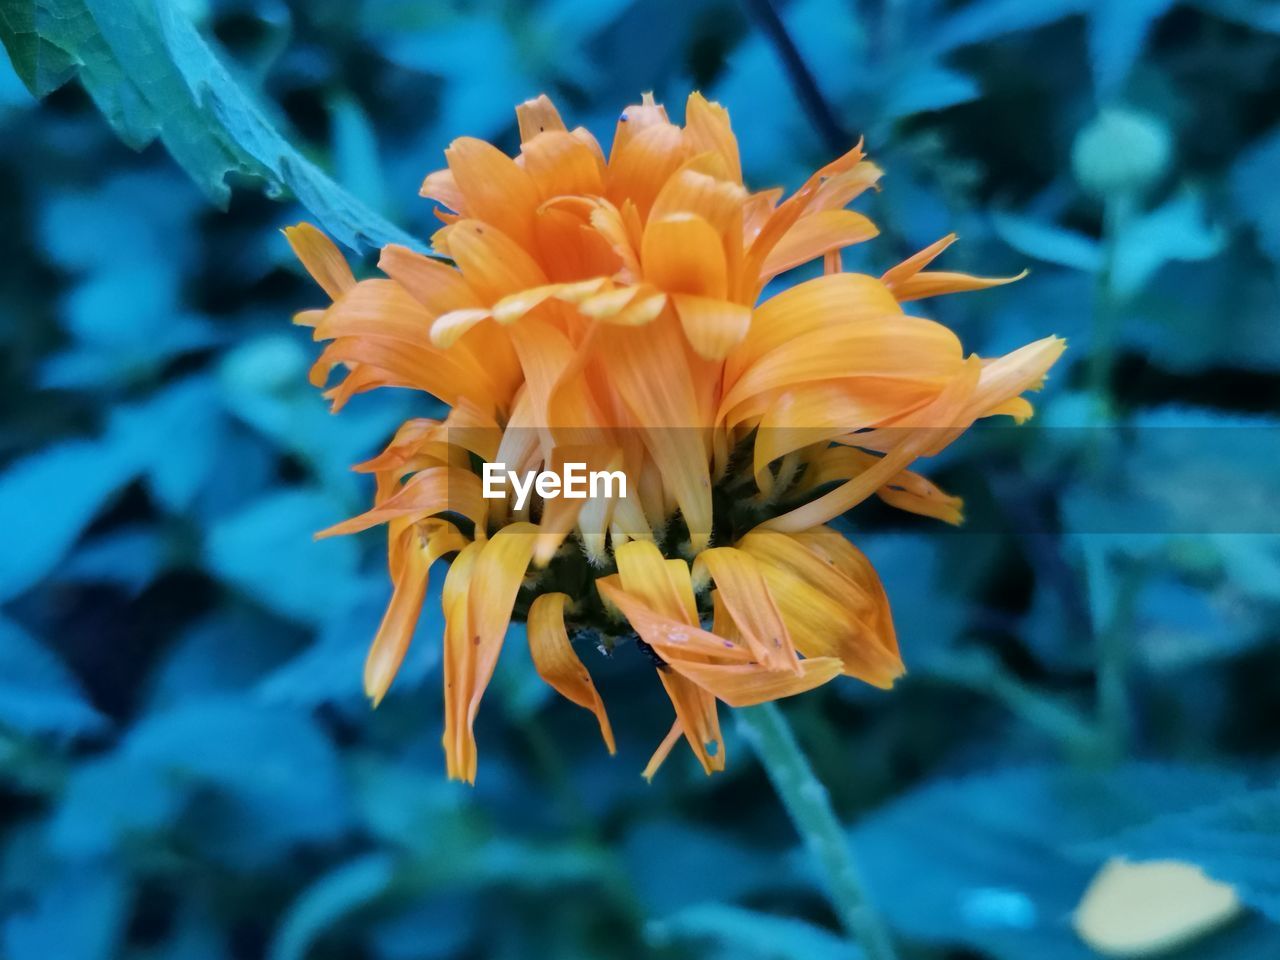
{"type": "Point", "coordinates": [606, 310]}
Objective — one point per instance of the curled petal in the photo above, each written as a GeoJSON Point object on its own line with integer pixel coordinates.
{"type": "Point", "coordinates": [745, 594]}
{"type": "Point", "coordinates": [428, 493]}
{"type": "Point", "coordinates": [557, 663]}
{"type": "Point", "coordinates": [747, 684]}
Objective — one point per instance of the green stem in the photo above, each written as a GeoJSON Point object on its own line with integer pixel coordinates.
{"type": "Point", "coordinates": [809, 807]}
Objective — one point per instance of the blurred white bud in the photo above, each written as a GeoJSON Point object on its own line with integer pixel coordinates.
{"type": "Point", "coordinates": [1121, 151]}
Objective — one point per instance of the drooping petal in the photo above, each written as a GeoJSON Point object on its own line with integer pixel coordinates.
{"type": "Point", "coordinates": [398, 623]}
{"type": "Point", "coordinates": [459, 666]}
{"type": "Point", "coordinates": [559, 665]}
{"type": "Point", "coordinates": [745, 594]}
{"type": "Point", "coordinates": [747, 684]}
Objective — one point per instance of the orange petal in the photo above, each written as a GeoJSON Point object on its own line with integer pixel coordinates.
{"type": "Point", "coordinates": [674, 638]}
{"type": "Point", "coordinates": [398, 623]}
{"type": "Point", "coordinates": [714, 327]}
{"type": "Point", "coordinates": [692, 191]}
{"type": "Point", "coordinates": [683, 254]}
{"type": "Point", "coordinates": [707, 130]}
{"type": "Point", "coordinates": [650, 373]}
{"type": "Point", "coordinates": [537, 116]}
{"type": "Point", "coordinates": [326, 264]}
{"type": "Point", "coordinates": [909, 267]}
{"type": "Point", "coordinates": [936, 424]}
{"type": "Point", "coordinates": [642, 165]}
{"type": "Point", "coordinates": [894, 347]}
{"type": "Point", "coordinates": [559, 665]}
{"type": "Point", "coordinates": [746, 597]}
{"type": "Point", "coordinates": [664, 750]}
{"type": "Point", "coordinates": [459, 666]}
{"type": "Point", "coordinates": [815, 235]}
{"type": "Point", "coordinates": [746, 684]}
{"type": "Point", "coordinates": [438, 286]}
{"type": "Point", "coordinates": [493, 264]}
{"type": "Point", "coordinates": [429, 492]}
{"type": "Point", "coordinates": [841, 298]}
{"type": "Point", "coordinates": [561, 164]}
{"type": "Point", "coordinates": [441, 187]}
{"type": "Point", "coordinates": [494, 188]}
{"type": "Point", "coordinates": [935, 283]}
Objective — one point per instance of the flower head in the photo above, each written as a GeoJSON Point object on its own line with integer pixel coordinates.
{"type": "Point", "coordinates": [607, 310]}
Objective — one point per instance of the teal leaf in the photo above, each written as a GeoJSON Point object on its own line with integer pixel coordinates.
{"type": "Point", "coordinates": [47, 500]}
{"type": "Point", "coordinates": [328, 900]}
{"type": "Point", "coordinates": [994, 861]}
{"type": "Point", "coordinates": [1236, 841]}
{"type": "Point", "coordinates": [37, 693]}
{"type": "Point", "coordinates": [1177, 230]}
{"type": "Point", "coordinates": [273, 775]}
{"type": "Point", "coordinates": [737, 932]}
{"type": "Point", "coordinates": [1048, 242]}
{"type": "Point", "coordinates": [1253, 184]}
{"type": "Point", "coordinates": [111, 802]}
{"type": "Point", "coordinates": [267, 550]}
{"type": "Point", "coordinates": [1117, 31]}
{"type": "Point", "coordinates": [153, 76]}
{"type": "Point", "coordinates": [81, 915]}
{"type": "Point", "coordinates": [988, 20]}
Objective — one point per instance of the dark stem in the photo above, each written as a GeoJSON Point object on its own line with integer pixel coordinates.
{"type": "Point", "coordinates": [823, 118]}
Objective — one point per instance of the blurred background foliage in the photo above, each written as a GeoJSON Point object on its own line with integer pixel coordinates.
{"type": "Point", "coordinates": [188, 769]}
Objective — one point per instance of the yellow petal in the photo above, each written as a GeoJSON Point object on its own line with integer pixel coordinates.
{"type": "Point", "coordinates": [494, 188]}
{"type": "Point", "coordinates": [429, 492]}
{"type": "Point", "coordinates": [326, 264]}
{"type": "Point", "coordinates": [814, 235]}
{"type": "Point", "coordinates": [449, 327]}
{"type": "Point", "coordinates": [673, 637]}
{"type": "Point", "coordinates": [714, 327]}
{"type": "Point", "coordinates": [500, 567]}
{"type": "Point", "coordinates": [558, 664]}
{"type": "Point", "coordinates": [746, 597]}
{"type": "Point", "coordinates": [1152, 908]}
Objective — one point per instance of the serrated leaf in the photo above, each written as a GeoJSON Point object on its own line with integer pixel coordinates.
{"type": "Point", "coordinates": [154, 77]}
